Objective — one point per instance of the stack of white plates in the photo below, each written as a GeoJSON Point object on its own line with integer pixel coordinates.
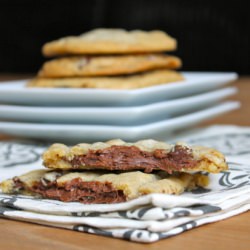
{"type": "Point", "coordinates": [75, 115]}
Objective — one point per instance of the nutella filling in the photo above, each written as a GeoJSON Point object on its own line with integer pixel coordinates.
{"type": "Point", "coordinates": [18, 185]}
{"type": "Point", "coordinates": [131, 158]}
{"type": "Point", "coordinates": [77, 190]}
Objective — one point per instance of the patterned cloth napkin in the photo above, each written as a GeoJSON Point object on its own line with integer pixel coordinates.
{"type": "Point", "coordinates": [148, 218]}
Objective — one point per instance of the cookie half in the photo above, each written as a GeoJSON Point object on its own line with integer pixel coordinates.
{"type": "Point", "coordinates": [111, 41]}
{"type": "Point", "coordinates": [107, 65]}
{"type": "Point", "coordinates": [92, 187]}
{"type": "Point", "coordinates": [145, 155]}
{"type": "Point", "coordinates": [147, 79]}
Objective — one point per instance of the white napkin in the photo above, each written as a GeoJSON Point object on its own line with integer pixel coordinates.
{"type": "Point", "coordinates": [148, 218]}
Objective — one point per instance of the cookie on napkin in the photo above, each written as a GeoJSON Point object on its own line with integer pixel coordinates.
{"type": "Point", "coordinates": [92, 187]}
{"type": "Point", "coordinates": [145, 155]}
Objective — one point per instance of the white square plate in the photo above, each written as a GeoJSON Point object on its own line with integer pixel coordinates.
{"type": "Point", "coordinates": [15, 92]}
{"type": "Point", "coordinates": [134, 115]}
{"type": "Point", "coordinates": [79, 133]}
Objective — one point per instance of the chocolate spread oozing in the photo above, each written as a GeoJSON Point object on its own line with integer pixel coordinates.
{"type": "Point", "coordinates": [131, 158]}
{"type": "Point", "coordinates": [92, 192]}
{"type": "Point", "coordinates": [18, 185]}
